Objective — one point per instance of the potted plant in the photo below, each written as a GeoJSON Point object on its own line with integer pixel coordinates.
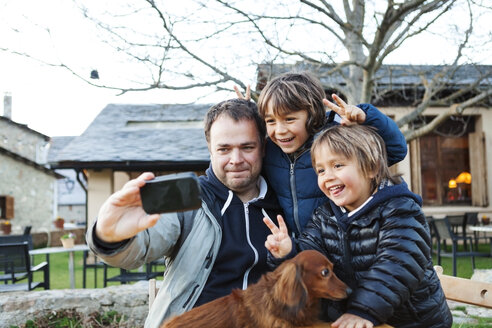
{"type": "Point", "coordinates": [6, 227]}
{"type": "Point", "coordinates": [68, 240]}
{"type": "Point", "coordinates": [485, 220]}
{"type": "Point", "coordinates": [59, 222]}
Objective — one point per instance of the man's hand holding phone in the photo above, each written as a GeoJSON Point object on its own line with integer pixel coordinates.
{"type": "Point", "coordinates": [122, 216]}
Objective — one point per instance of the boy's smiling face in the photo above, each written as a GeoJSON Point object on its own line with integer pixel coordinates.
{"type": "Point", "coordinates": [341, 179]}
{"type": "Point", "coordinates": [288, 131]}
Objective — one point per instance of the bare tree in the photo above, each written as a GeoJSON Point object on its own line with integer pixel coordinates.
{"type": "Point", "coordinates": [347, 43]}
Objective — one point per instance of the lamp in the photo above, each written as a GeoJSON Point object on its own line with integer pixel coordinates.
{"type": "Point", "coordinates": [464, 177]}
{"type": "Point", "coordinates": [452, 184]}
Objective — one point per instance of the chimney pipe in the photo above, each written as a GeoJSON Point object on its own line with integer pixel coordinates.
{"type": "Point", "coordinates": [7, 105]}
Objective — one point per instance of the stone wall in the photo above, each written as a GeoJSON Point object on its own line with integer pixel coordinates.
{"type": "Point", "coordinates": [23, 141]}
{"type": "Point", "coordinates": [33, 191]}
{"type": "Point", "coordinates": [129, 300]}
{"type": "Point", "coordinates": [41, 239]}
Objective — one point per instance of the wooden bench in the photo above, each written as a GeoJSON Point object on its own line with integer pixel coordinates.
{"type": "Point", "coordinates": [465, 290]}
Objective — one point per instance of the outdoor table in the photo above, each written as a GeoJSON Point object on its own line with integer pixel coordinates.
{"type": "Point", "coordinates": [482, 228]}
{"type": "Point", "coordinates": [71, 251]}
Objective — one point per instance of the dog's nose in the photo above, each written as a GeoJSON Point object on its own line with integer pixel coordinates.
{"type": "Point", "coordinates": [348, 291]}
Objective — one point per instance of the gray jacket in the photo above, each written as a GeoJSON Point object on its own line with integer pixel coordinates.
{"type": "Point", "coordinates": [189, 264]}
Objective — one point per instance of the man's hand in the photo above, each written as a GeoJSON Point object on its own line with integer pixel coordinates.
{"type": "Point", "coordinates": [240, 95]}
{"type": "Point", "coordinates": [278, 243]}
{"type": "Point", "coordinates": [350, 114]}
{"type": "Point", "coordinates": [122, 216]}
{"type": "Point", "coordinates": [351, 321]}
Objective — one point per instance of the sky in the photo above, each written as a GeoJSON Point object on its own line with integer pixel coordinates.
{"type": "Point", "coordinates": [56, 103]}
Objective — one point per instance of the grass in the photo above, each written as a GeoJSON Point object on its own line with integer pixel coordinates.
{"type": "Point", "coordinates": [464, 264]}
{"type": "Point", "coordinates": [59, 277]}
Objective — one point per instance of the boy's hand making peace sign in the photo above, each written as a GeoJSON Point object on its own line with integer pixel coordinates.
{"type": "Point", "coordinates": [278, 243]}
{"type": "Point", "coordinates": [350, 114]}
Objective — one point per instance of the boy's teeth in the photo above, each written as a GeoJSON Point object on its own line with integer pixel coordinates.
{"type": "Point", "coordinates": [335, 188]}
{"type": "Point", "coordinates": [285, 140]}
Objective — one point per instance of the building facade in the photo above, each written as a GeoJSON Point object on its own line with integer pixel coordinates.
{"type": "Point", "coordinates": [25, 177]}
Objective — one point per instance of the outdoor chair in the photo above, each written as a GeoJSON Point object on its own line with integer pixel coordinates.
{"type": "Point", "coordinates": [444, 232]}
{"type": "Point", "coordinates": [15, 265]}
{"type": "Point", "coordinates": [126, 276]}
{"type": "Point", "coordinates": [95, 265]}
{"type": "Point", "coordinates": [15, 239]}
{"type": "Point", "coordinates": [472, 220]}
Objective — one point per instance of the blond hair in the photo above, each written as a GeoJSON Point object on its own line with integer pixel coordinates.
{"type": "Point", "coordinates": [361, 143]}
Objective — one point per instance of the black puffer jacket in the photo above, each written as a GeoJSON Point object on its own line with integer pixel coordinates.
{"type": "Point", "coordinates": [383, 253]}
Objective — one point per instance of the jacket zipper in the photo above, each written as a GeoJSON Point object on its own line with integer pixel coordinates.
{"type": "Point", "coordinates": [190, 297]}
{"type": "Point", "coordinates": [293, 192]}
{"type": "Point", "coordinates": [246, 221]}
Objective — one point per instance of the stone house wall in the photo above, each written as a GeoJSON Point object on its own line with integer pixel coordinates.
{"type": "Point", "coordinates": [23, 141]}
{"type": "Point", "coordinates": [33, 191]}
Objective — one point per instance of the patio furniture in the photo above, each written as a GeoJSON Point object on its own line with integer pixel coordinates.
{"type": "Point", "coordinates": [71, 254]}
{"type": "Point", "coordinates": [95, 265]}
{"type": "Point", "coordinates": [445, 232]}
{"type": "Point", "coordinates": [465, 290]}
{"type": "Point", "coordinates": [15, 265]}
{"type": "Point", "coordinates": [14, 239]}
{"type": "Point", "coordinates": [127, 276]}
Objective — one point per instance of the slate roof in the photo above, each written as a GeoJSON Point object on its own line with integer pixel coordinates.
{"type": "Point", "coordinates": [396, 75]}
{"type": "Point", "coordinates": [119, 138]}
{"type": "Point", "coordinates": [24, 127]}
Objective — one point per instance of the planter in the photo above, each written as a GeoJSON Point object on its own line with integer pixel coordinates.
{"type": "Point", "coordinates": [59, 223]}
{"type": "Point", "coordinates": [7, 229]}
{"type": "Point", "coordinates": [68, 242]}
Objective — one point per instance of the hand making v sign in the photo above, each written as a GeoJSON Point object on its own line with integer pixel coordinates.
{"type": "Point", "coordinates": [278, 243]}
{"type": "Point", "coordinates": [350, 114]}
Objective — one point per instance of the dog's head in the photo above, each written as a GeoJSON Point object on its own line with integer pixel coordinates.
{"type": "Point", "coordinates": [306, 278]}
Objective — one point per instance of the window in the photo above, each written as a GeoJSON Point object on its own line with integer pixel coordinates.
{"type": "Point", "coordinates": [448, 163]}
{"type": "Point", "coordinates": [6, 207]}
{"type": "Point", "coordinates": [443, 159]}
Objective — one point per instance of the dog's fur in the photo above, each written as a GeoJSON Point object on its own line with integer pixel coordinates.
{"type": "Point", "coordinates": [287, 297]}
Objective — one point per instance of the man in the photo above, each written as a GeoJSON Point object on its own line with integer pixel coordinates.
{"type": "Point", "coordinates": [211, 250]}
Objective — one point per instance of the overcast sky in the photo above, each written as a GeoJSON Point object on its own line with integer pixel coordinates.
{"type": "Point", "coordinates": [54, 102]}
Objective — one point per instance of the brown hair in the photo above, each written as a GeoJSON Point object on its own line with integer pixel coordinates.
{"type": "Point", "coordinates": [361, 143]}
{"type": "Point", "coordinates": [237, 109]}
{"type": "Point", "coordinates": [294, 92]}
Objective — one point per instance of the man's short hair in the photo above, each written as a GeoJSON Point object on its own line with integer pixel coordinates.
{"type": "Point", "coordinates": [292, 92]}
{"type": "Point", "coordinates": [237, 109]}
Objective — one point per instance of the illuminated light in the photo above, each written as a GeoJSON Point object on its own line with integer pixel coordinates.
{"type": "Point", "coordinates": [452, 184]}
{"type": "Point", "coordinates": [464, 177]}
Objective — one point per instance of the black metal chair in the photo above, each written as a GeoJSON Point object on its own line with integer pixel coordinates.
{"type": "Point", "coordinates": [444, 232]}
{"type": "Point", "coordinates": [95, 265]}
{"type": "Point", "coordinates": [472, 220]}
{"type": "Point", "coordinates": [126, 276]}
{"type": "Point", "coordinates": [15, 239]}
{"type": "Point", "coordinates": [15, 265]}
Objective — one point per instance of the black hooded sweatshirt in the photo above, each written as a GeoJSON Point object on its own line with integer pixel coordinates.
{"type": "Point", "coordinates": [242, 255]}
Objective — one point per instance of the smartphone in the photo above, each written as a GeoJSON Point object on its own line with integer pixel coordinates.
{"type": "Point", "coordinates": [171, 193]}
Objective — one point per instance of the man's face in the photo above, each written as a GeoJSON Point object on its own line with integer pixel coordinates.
{"type": "Point", "coordinates": [236, 154]}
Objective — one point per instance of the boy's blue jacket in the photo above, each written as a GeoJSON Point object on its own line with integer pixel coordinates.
{"type": "Point", "coordinates": [296, 183]}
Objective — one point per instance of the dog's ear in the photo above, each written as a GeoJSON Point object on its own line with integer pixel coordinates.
{"type": "Point", "coordinates": [289, 290]}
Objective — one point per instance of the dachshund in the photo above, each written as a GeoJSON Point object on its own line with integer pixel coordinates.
{"type": "Point", "coordinates": [287, 297]}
